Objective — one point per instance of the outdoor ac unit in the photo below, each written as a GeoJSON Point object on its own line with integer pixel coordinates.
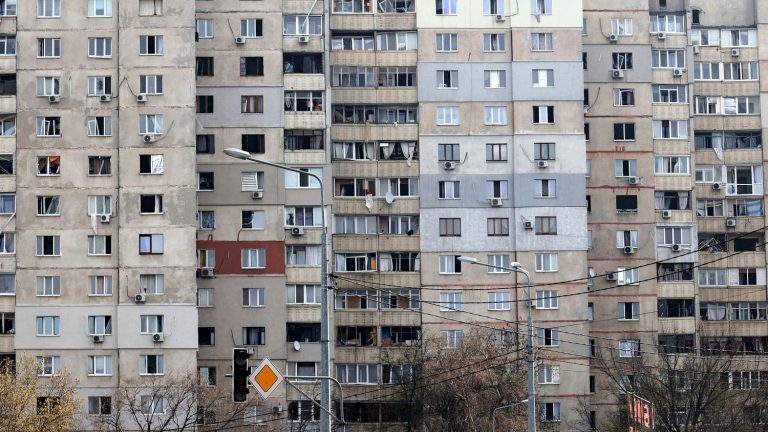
{"type": "Point", "coordinates": [666, 214]}
{"type": "Point", "coordinates": [140, 298]}
{"type": "Point", "coordinates": [499, 18]}
{"type": "Point", "coordinates": [105, 98]}
{"type": "Point", "coordinates": [105, 218]}
{"type": "Point", "coordinates": [716, 186]}
{"type": "Point", "coordinates": [54, 99]}
{"type": "Point", "coordinates": [496, 202]}
{"type": "Point", "coordinates": [735, 52]}
{"type": "Point", "coordinates": [542, 164]}
{"type": "Point", "coordinates": [158, 337]}
{"type": "Point", "coordinates": [277, 409]}
{"type": "Point", "coordinates": [205, 273]}
{"type": "Point", "coordinates": [148, 138]}
{"type": "Point", "coordinates": [251, 350]}
{"type": "Point", "coordinates": [678, 72]}
{"type": "Point", "coordinates": [303, 39]}
{"type": "Point", "coordinates": [634, 180]}
{"type": "Point", "coordinates": [610, 276]}
{"type": "Point", "coordinates": [257, 195]}
{"type": "Point", "coordinates": [141, 97]}
{"type": "Point", "coordinates": [730, 223]}
{"type": "Point", "coordinates": [629, 250]}
{"type": "Point", "coordinates": [696, 49]}
{"type": "Point", "coordinates": [676, 247]}
{"type": "Point", "coordinates": [661, 35]}
{"type": "Point", "coordinates": [449, 165]}
{"type": "Point", "coordinates": [98, 338]}
{"type": "Point", "coordinates": [617, 73]}
{"type": "Point", "coordinates": [528, 225]}
{"type": "Point", "coordinates": [297, 231]}
{"type": "Point", "coordinates": [613, 38]}
{"type": "Point", "coordinates": [239, 40]}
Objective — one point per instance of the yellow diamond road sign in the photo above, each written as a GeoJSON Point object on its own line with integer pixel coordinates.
{"type": "Point", "coordinates": [265, 378]}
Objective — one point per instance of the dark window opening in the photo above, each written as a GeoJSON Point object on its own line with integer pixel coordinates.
{"type": "Point", "coordinates": [303, 332]}
{"type": "Point", "coordinates": [303, 139]}
{"type": "Point", "coordinates": [302, 63]}
{"type": "Point", "coordinates": [626, 203]}
{"type": "Point", "coordinates": [251, 66]}
{"type": "Point", "coordinates": [206, 144]}
{"type": "Point", "coordinates": [675, 308]}
{"type": "Point", "coordinates": [204, 66]}
{"type": "Point", "coordinates": [252, 143]}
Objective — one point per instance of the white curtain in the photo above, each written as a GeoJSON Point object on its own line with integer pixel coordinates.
{"type": "Point", "coordinates": [313, 255]}
{"type": "Point", "coordinates": [386, 150]}
{"type": "Point", "coordinates": [385, 262]}
{"type": "Point", "coordinates": [683, 197]}
{"type": "Point", "coordinates": [659, 198]}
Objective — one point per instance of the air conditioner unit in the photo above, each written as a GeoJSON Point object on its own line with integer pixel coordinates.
{"type": "Point", "coordinates": [613, 38]}
{"type": "Point", "coordinates": [105, 218]}
{"type": "Point", "coordinates": [297, 231]}
{"type": "Point", "coordinates": [499, 18]}
{"type": "Point", "coordinates": [141, 97]}
{"type": "Point", "coordinates": [666, 214]}
{"type": "Point", "coordinates": [98, 338]}
{"type": "Point", "coordinates": [634, 180]}
{"type": "Point", "coordinates": [676, 247]}
{"type": "Point", "coordinates": [678, 72]}
{"type": "Point", "coordinates": [449, 166]}
{"type": "Point", "coordinates": [140, 298]}
{"type": "Point", "coordinates": [257, 195]}
{"type": "Point", "coordinates": [617, 73]}
{"type": "Point", "coordinates": [303, 39]}
{"type": "Point", "coordinates": [735, 52]}
{"type": "Point", "coordinates": [542, 164]}
{"type": "Point", "coordinates": [496, 202]}
{"type": "Point", "coordinates": [54, 99]}
{"type": "Point", "coordinates": [716, 186]}
{"type": "Point", "coordinates": [696, 49]}
{"type": "Point", "coordinates": [205, 273]}
{"type": "Point", "coordinates": [251, 350]}
{"type": "Point", "coordinates": [629, 250]}
{"type": "Point", "coordinates": [148, 139]}
{"type": "Point", "coordinates": [158, 337]}
{"type": "Point", "coordinates": [661, 35]}
{"type": "Point", "coordinates": [105, 98]}
{"type": "Point", "coordinates": [277, 409]}
{"type": "Point", "coordinates": [610, 276]}
{"type": "Point", "coordinates": [730, 223]}
{"type": "Point", "coordinates": [528, 225]}
{"type": "Point", "coordinates": [239, 40]}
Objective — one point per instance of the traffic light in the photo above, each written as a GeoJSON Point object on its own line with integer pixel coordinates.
{"type": "Point", "coordinates": [240, 374]}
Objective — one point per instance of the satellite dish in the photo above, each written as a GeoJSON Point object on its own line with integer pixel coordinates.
{"type": "Point", "coordinates": [296, 345]}
{"type": "Point", "coordinates": [389, 198]}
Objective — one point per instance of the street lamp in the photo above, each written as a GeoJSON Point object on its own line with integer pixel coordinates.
{"type": "Point", "coordinates": [518, 268]}
{"type": "Point", "coordinates": [325, 367]}
{"type": "Point", "coordinates": [493, 413]}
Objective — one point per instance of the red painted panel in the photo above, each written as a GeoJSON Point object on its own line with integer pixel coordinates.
{"type": "Point", "coordinates": [228, 258]}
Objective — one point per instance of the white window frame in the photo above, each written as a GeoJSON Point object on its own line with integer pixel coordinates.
{"type": "Point", "coordinates": [100, 47]}
{"type": "Point", "coordinates": [546, 262]}
{"type": "Point", "coordinates": [499, 301]}
{"type": "Point", "coordinates": [144, 364]}
{"type": "Point", "coordinates": [158, 43]}
{"type": "Point", "coordinates": [253, 258]}
{"type": "Point", "coordinates": [541, 41]}
{"type": "Point", "coordinates": [49, 8]}
{"type": "Point", "coordinates": [97, 6]}
{"type": "Point", "coordinates": [151, 124]}
{"type": "Point", "coordinates": [452, 301]}
{"type": "Point", "coordinates": [100, 285]}
{"type": "Point", "coordinates": [628, 276]}
{"type": "Point", "coordinates": [206, 297]}
{"type": "Point", "coordinates": [448, 116]}
{"type": "Point", "coordinates": [48, 366]}
{"type": "Point", "coordinates": [48, 286]}
{"type": "Point", "coordinates": [547, 299]}
{"type": "Point", "coordinates": [152, 284]}
{"type": "Point", "coordinates": [451, 38]}
{"type": "Point", "coordinates": [99, 365]}
{"type": "Point", "coordinates": [621, 26]}
{"type": "Point", "coordinates": [48, 86]}
{"type": "Point", "coordinates": [204, 28]}
{"type": "Point", "coordinates": [151, 324]}
{"type": "Point", "coordinates": [495, 115]}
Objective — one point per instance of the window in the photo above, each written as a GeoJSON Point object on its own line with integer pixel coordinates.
{"type": "Point", "coordinates": [665, 93]}
{"type": "Point", "coordinates": [672, 164]}
{"type": "Point", "coordinates": [99, 245]}
{"type": "Point", "coordinates": [625, 167]}
{"type": "Point", "coordinates": [205, 297]}
{"type": "Point", "coordinates": [545, 225]}
{"type": "Point", "coordinates": [541, 41]}
{"type": "Point", "coordinates": [448, 152]}
{"type": "Point", "coordinates": [447, 79]}
{"type": "Point", "coordinates": [496, 189]}
{"type": "Point", "coordinates": [252, 27]}
{"type": "Point", "coordinates": [543, 114]}
{"type": "Point", "coordinates": [48, 245]}
{"type": "Point", "coordinates": [546, 262]}
{"type": "Point", "coordinates": [621, 26]}
{"type": "Point", "coordinates": [206, 336]}
{"type": "Point", "coordinates": [153, 164]}
{"type": "Point", "coordinates": [352, 6]}
{"type": "Point", "coordinates": [451, 338]}
{"type": "Point", "coordinates": [626, 238]}
{"type": "Point", "coordinates": [204, 66]}
{"type": "Point", "coordinates": [626, 203]}
{"type": "Point", "coordinates": [494, 42]}
{"type": "Point", "coordinates": [544, 151]}
{"type": "Point", "coordinates": [100, 47]}
{"type": "Point", "coordinates": [741, 105]}
{"type": "Point", "coordinates": [7, 243]}
{"type": "Point", "coordinates": [99, 285]}
{"type": "Point", "coordinates": [709, 208]}
{"type": "Point", "coordinates": [493, 7]}
{"type": "Point", "coordinates": [251, 104]}
{"type": "Point", "coordinates": [206, 258]}
{"type": "Point", "coordinates": [48, 286]}
{"type": "Point", "coordinates": [206, 375]}
{"type": "Point", "coordinates": [205, 144]}
{"type": "Point", "coordinates": [252, 143]}
{"type": "Point", "coordinates": [99, 325]}
{"type": "Point", "coordinates": [628, 275]}
{"type": "Point", "coordinates": [548, 336]}
{"type": "Point", "coordinates": [357, 373]}
{"type": "Point", "coordinates": [497, 226]}
{"type": "Point", "coordinates": [99, 85]}
{"type": "Point", "coordinates": [499, 300]}
{"type": "Point", "coordinates": [629, 348]}
{"type": "Point", "coordinates": [667, 24]}
{"type": "Point", "coordinates": [150, 7]}
{"type": "Point", "coordinates": [151, 84]}
{"type": "Point", "coordinates": [253, 258]}
{"type": "Point", "coordinates": [541, 7]}
{"type": "Point", "coordinates": [495, 152]}
{"type": "Point", "coordinates": [251, 66]}
{"type": "Point", "coordinates": [739, 38]}
{"type": "Point", "coordinates": [253, 297]}
{"type": "Point", "coordinates": [548, 374]}
{"type": "Point", "coordinates": [496, 115]}
{"type": "Point", "coordinates": [204, 104]}
{"type": "Point", "coordinates": [48, 8]}
{"type": "Point", "coordinates": [303, 294]}
{"type": "Point", "coordinates": [675, 308]}
{"type": "Point", "coordinates": [152, 284]}
{"type": "Point", "coordinates": [151, 324]}
{"type": "Point", "coordinates": [152, 404]}
{"type": "Point", "coordinates": [446, 42]}
{"type": "Point", "coordinates": [99, 405]}
{"type": "Point", "coordinates": [545, 188]}
{"type": "Point", "coordinates": [48, 365]}
{"type": "Point", "coordinates": [629, 311]}
{"type": "Point", "coordinates": [303, 181]}
{"type": "Point", "coordinates": [48, 326]}
{"type": "Point", "coordinates": [252, 219]}
{"type": "Point", "coordinates": [48, 126]}
{"type": "Point", "coordinates": [49, 47]}
{"type": "Point", "coordinates": [674, 272]}
{"type": "Point", "coordinates": [543, 77]}
{"type": "Point", "coordinates": [150, 124]}
{"type": "Point", "coordinates": [445, 7]}
{"type": "Point", "coordinates": [495, 78]}
{"type": "Point", "coordinates": [622, 60]}
{"type": "Point", "coordinates": [99, 126]}
{"type": "Point", "coordinates": [8, 126]}
{"type": "Point", "coordinates": [150, 244]}
{"type": "Point", "coordinates": [668, 58]}
{"type": "Point", "coordinates": [450, 227]}
{"type": "Point", "coordinates": [48, 86]}
{"type": "Point", "coordinates": [623, 97]}
{"type": "Point", "coordinates": [747, 276]}
{"type": "Point", "coordinates": [451, 301]}
{"type": "Point", "coordinates": [670, 129]}
{"type": "Point", "coordinates": [744, 180]}
{"type": "Point", "coordinates": [151, 364]}
{"type": "Point", "coordinates": [301, 25]}
{"type": "Point", "coordinates": [740, 71]}
{"type": "Point", "coordinates": [302, 255]}
{"type": "Point", "coordinates": [99, 166]}
{"type": "Point", "coordinates": [48, 206]}
{"type": "Point", "coordinates": [449, 264]}
{"type": "Point", "coordinates": [204, 28]}
{"type": "Point", "coordinates": [706, 71]}
{"type": "Point", "coordinates": [624, 131]}
{"type": "Point", "coordinates": [99, 365]}
{"type": "Point", "coordinates": [710, 37]}
{"type": "Point", "coordinates": [447, 116]}
{"type": "Point", "coordinates": [547, 299]}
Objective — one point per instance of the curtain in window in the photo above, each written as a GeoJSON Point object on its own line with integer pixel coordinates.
{"type": "Point", "coordinates": [683, 197]}
{"type": "Point", "coordinates": [659, 199]}
{"type": "Point", "coordinates": [386, 150]}
{"type": "Point", "coordinates": [385, 262]}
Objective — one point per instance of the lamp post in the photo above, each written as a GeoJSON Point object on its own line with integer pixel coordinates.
{"type": "Point", "coordinates": [518, 268]}
{"type": "Point", "coordinates": [493, 413]}
{"type": "Point", "coordinates": [325, 366]}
